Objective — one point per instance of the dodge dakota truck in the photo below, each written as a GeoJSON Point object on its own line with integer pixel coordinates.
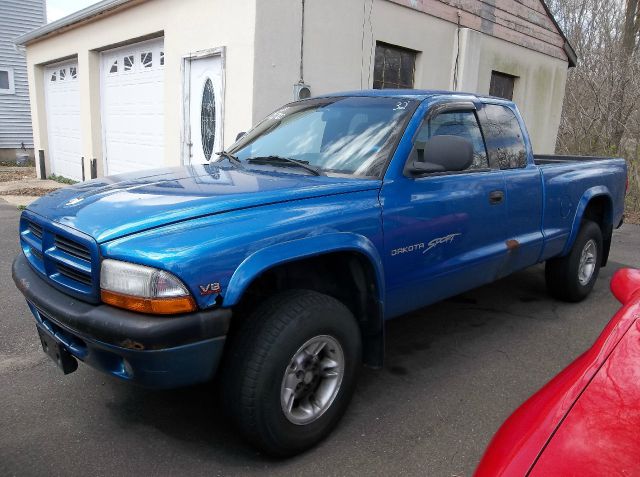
{"type": "Point", "coordinates": [275, 265]}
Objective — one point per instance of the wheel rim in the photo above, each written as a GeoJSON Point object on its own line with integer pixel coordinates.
{"type": "Point", "coordinates": [312, 379]}
{"type": "Point", "coordinates": [587, 262]}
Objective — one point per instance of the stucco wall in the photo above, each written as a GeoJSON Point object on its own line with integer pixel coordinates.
{"type": "Point", "coordinates": [539, 88]}
{"type": "Point", "coordinates": [339, 57]}
{"type": "Point", "coordinates": [187, 26]}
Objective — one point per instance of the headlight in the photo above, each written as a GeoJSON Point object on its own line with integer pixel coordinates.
{"type": "Point", "coordinates": [143, 289]}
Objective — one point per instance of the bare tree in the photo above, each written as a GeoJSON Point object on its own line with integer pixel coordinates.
{"type": "Point", "coordinates": [601, 112]}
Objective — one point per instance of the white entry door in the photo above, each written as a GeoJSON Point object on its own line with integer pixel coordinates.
{"type": "Point", "coordinates": [132, 86]}
{"type": "Point", "coordinates": [62, 103]}
{"type": "Point", "coordinates": [203, 98]}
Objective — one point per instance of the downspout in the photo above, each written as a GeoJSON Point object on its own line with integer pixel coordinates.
{"type": "Point", "coordinates": [301, 81]}
{"type": "Point", "coordinates": [456, 66]}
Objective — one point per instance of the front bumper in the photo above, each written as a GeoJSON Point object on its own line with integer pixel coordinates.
{"type": "Point", "coordinates": [157, 352]}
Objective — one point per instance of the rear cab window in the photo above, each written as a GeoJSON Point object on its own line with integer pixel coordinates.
{"type": "Point", "coordinates": [503, 136]}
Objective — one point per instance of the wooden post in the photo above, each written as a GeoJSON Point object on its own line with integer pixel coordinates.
{"type": "Point", "coordinates": [94, 168]}
{"type": "Point", "coordinates": [82, 164]}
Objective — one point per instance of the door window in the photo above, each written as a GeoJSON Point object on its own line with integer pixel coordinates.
{"type": "Point", "coordinates": [208, 119]}
{"type": "Point", "coordinates": [457, 123]}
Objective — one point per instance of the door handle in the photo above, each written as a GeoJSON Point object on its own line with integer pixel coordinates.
{"type": "Point", "coordinates": [496, 197]}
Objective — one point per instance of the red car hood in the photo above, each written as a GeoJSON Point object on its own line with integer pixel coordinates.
{"type": "Point", "coordinates": [586, 420]}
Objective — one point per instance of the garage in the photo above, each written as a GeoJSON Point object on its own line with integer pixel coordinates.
{"type": "Point", "coordinates": [170, 83]}
{"type": "Point", "coordinates": [132, 89]}
{"type": "Point", "coordinates": [62, 99]}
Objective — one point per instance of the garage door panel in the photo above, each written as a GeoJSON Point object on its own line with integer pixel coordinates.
{"type": "Point", "coordinates": [62, 102]}
{"type": "Point", "coordinates": [124, 124]}
{"type": "Point", "coordinates": [121, 168]}
{"type": "Point", "coordinates": [132, 150]}
{"type": "Point", "coordinates": [133, 107]}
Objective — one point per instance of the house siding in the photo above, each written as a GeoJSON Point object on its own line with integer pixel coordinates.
{"type": "Point", "coordinates": [524, 23]}
{"type": "Point", "coordinates": [17, 18]}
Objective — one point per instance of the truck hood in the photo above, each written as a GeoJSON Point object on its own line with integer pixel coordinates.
{"type": "Point", "coordinates": [115, 206]}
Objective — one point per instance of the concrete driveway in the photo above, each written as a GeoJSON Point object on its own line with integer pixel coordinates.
{"type": "Point", "coordinates": [454, 372]}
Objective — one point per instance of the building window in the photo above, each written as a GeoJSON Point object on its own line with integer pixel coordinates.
{"type": "Point", "coordinates": [73, 71]}
{"type": "Point", "coordinates": [114, 67]}
{"type": "Point", "coordinates": [394, 67]}
{"type": "Point", "coordinates": [128, 63]}
{"type": "Point", "coordinates": [6, 81]}
{"type": "Point", "coordinates": [502, 85]}
{"type": "Point", "coordinates": [63, 74]}
{"type": "Point", "coordinates": [146, 59]}
{"type": "Point", "coordinates": [162, 58]}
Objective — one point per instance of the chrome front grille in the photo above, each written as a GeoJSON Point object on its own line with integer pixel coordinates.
{"type": "Point", "coordinates": [68, 259]}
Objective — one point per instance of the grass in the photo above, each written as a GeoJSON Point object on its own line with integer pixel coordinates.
{"type": "Point", "coordinates": [61, 179]}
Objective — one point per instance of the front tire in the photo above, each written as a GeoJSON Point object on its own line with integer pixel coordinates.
{"type": "Point", "coordinates": [291, 371]}
{"type": "Point", "coordinates": [572, 277]}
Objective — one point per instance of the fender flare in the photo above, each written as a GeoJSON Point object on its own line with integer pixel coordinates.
{"type": "Point", "coordinates": [264, 259]}
{"type": "Point", "coordinates": [592, 193]}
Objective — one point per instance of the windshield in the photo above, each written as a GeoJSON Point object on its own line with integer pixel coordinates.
{"type": "Point", "coordinates": [346, 135]}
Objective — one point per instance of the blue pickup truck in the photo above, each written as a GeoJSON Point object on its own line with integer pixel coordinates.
{"type": "Point", "coordinates": [276, 264]}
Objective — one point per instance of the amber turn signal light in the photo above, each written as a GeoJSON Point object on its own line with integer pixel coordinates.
{"type": "Point", "coordinates": [155, 306]}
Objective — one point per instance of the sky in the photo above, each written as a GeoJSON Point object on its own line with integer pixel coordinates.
{"type": "Point", "coordinates": [61, 8]}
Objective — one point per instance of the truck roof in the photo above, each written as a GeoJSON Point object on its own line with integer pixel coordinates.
{"type": "Point", "coordinates": [419, 94]}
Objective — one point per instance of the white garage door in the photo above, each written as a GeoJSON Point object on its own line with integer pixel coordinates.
{"type": "Point", "coordinates": [133, 107]}
{"type": "Point", "coordinates": [62, 102]}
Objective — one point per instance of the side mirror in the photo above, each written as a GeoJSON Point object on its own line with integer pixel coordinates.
{"type": "Point", "coordinates": [239, 135]}
{"type": "Point", "coordinates": [441, 154]}
{"type": "Point", "coordinates": [625, 284]}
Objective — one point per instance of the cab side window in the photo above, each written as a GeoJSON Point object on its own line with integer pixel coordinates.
{"type": "Point", "coordinates": [504, 137]}
{"type": "Point", "coordinates": [457, 123]}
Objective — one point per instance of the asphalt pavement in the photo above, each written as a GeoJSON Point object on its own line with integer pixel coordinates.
{"type": "Point", "coordinates": [454, 372]}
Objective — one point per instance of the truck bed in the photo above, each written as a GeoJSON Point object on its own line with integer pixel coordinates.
{"type": "Point", "coordinates": [569, 182]}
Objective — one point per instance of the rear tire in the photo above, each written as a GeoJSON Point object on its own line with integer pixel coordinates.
{"type": "Point", "coordinates": [291, 370]}
{"type": "Point", "coordinates": [572, 277]}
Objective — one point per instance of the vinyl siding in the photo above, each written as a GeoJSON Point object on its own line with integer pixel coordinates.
{"type": "Point", "coordinates": [16, 18]}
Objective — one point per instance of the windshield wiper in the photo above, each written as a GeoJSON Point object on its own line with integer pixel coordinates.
{"type": "Point", "coordinates": [282, 161]}
{"type": "Point", "coordinates": [230, 157]}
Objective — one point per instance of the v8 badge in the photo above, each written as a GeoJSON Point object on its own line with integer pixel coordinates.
{"type": "Point", "coordinates": [210, 289]}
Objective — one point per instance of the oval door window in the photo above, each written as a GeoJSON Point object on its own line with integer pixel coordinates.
{"type": "Point", "coordinates": [208, 119]}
